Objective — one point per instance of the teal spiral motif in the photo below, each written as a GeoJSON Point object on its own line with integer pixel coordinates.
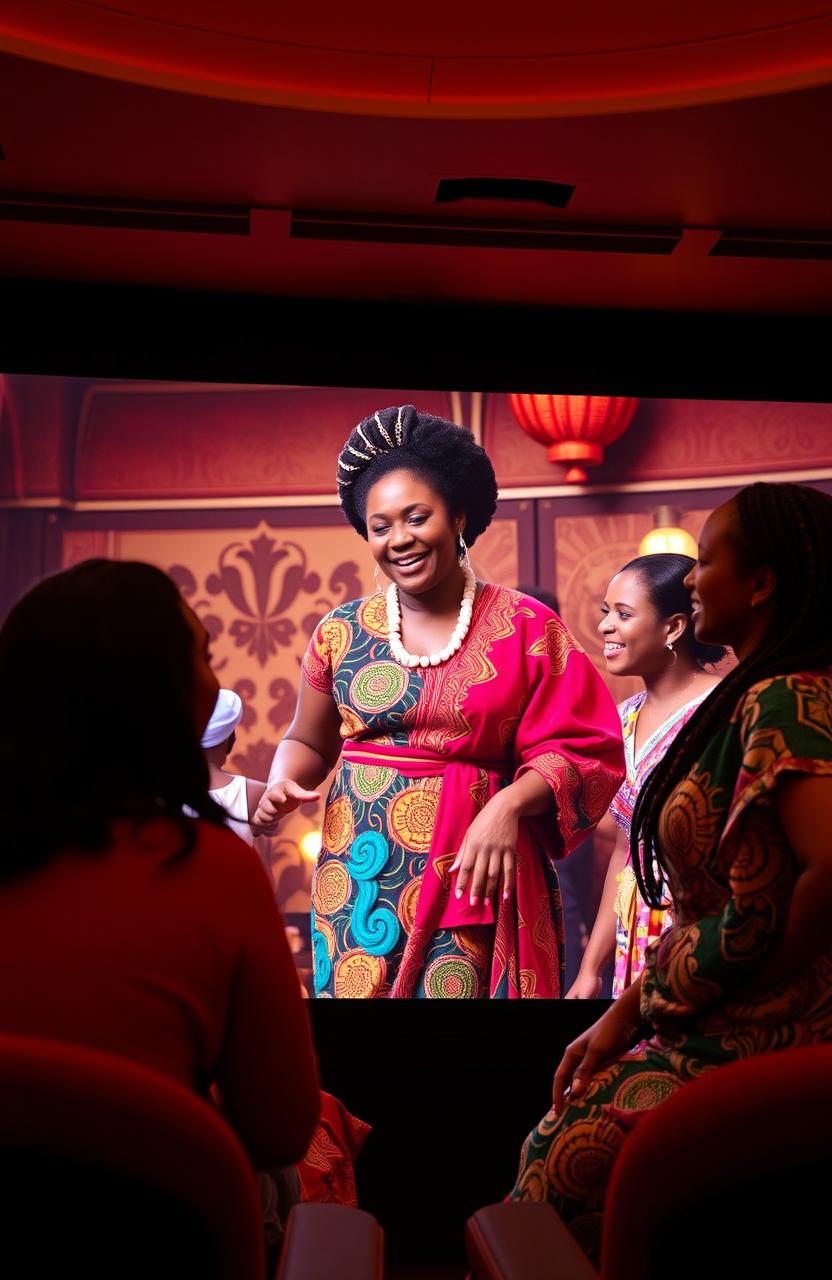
{"type": "Point", "coordinates": [323, 964]}
{"type": "Point", "coordinates": [376, 931]}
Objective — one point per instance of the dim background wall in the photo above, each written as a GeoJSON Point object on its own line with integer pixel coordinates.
{"type": "Point", "coordinates": [230, 490]}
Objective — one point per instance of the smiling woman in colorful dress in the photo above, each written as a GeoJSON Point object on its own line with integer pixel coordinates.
{"type": "Point", "coordinates": [647, 631]}
{"type": "Point", "coordinates": [734, 823]}
{"type": "Point", "coordinates": [477, 742]}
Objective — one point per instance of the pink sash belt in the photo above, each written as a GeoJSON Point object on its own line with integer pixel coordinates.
{"type": "Point", "coordinates": [460, 800]}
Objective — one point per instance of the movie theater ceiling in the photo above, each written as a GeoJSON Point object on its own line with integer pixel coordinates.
{"type": "Point", "coordinates": [601, 155]}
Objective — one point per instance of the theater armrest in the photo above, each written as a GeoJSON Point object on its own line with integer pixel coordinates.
{"type": "Point", "coordinates": [520, 1240]}
{"type": "Point", "coordinates": [331, 1240]}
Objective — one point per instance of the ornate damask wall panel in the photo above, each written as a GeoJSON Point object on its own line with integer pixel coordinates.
{"type": "Point", "coordinates": [150, 440]}
{"type": "Point", "coordinates": [674, 439]}
{"type": "Point", "coordinates": [495, 557]}
{"type": "Point", "coordinates": [260, 592]}
{"type": "Point", "coordinates": [588, 551]}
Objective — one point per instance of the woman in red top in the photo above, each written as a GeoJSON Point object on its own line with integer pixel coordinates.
{"type": "Point", "coordinates": [125, 925]}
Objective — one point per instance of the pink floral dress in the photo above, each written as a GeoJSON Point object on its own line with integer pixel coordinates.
{"type": "Point", "coordinates": [636, 923]}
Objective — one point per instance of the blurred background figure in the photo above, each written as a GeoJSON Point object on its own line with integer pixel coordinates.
{"type": "Point", "coordinates": [237, 795]}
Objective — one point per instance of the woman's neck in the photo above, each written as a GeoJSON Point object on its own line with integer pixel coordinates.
{"type": "Point", "coordinates": [678, 684]}
{"type": "Point", "coordinates": [217, 777]}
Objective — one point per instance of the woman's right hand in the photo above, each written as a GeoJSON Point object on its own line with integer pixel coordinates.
{"type": "Point", "coordinates": [616, 1031]}
{"type": "Point", "coordinates": [278, 800]}
{"type": "Point", "coordinates": [587, 986]}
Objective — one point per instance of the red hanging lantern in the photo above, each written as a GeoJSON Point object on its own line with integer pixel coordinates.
{"type": "Point", "coordinates": [576, 428]}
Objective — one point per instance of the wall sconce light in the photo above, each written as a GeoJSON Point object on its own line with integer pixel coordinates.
{"type": "Point", "coordinates": [667, 535]}
{"type": "Point", "coordinates": [310, 845]}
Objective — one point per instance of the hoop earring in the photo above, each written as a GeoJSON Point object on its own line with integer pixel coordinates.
{"type": "Point", "coordinates": [462, 551]}
{"type": "Point", "coordinates": [673, 652]}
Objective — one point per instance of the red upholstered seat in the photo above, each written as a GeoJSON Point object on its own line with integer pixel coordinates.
{"type": "Point", "coordinates": [331, 1242]}
{"type": "Point", "coordinates": [109, 1169]}
{"type": "Point", "coordinates": [729, 1177]}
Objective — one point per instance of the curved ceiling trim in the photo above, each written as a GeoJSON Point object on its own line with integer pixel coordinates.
{"type": "Point", "coordinates": [719, 68]}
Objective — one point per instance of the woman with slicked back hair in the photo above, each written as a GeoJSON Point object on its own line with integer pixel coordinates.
{"type": "Point", "coordinates": [647, 629]}
{"type": "Point", "coordinates": [479, 744]}
{"type": "Point", "coordinates": [734, 824]}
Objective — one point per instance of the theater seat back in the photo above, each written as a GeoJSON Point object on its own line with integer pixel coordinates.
{"type": "Point", "coordinates": [110, 1169]}
{"type": "Point", "coordinates": [730, 1176]}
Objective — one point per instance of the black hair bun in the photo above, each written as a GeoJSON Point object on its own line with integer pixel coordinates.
{"type": "Point", "coordinates": [445, 455]}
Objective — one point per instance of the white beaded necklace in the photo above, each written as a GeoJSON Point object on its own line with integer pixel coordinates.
{"type": "Point", "coordinates": [460, 631]}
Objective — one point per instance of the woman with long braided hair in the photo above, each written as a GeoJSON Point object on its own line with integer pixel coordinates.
{"type": "Point", "coordinates": [479, 743]}
{"type": "Point", "coordinates": [734, 822]}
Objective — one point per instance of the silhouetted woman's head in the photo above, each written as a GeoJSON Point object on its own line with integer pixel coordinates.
{"type": "Point", "coordinates": [107, 686]}
{"type": "Point", "coordinates": [761, 584]}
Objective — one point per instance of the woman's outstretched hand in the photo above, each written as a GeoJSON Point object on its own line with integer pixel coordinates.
{"type": "Point", "coordinates": [276, 802]}
{"type": "Point", "coordinates": [488, 853]}
{"type": "Point", "coordinates": [612, 1035]}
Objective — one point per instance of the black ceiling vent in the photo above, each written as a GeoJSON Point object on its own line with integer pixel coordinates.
{"type": "Point", "coordinates": [131, 215]}
{"type": "Point", "coordinates": [481, 233]}
{"type": "Point", "coordinates": [554, 194]}
{"type": "Point", "coordinates": [811, 246]}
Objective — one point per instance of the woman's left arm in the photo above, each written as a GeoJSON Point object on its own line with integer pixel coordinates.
{"type": "Point", "coordinates": [777, 920]}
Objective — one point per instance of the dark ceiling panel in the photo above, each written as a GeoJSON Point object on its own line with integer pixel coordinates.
{"type": "Point", "coordinates": [116, 150]}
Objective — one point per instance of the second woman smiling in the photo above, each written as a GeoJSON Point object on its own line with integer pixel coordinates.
{"type": "Point", "coordinates": [647, 630]}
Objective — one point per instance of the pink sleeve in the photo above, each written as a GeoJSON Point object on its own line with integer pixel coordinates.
{"type": "Point", "coordinates": [570, 732]}
{"type": "Point", "coordinates": [619, 813]}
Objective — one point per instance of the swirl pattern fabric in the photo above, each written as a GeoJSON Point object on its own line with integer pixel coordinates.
{"type": "Point", "coordinates": [376, 931]}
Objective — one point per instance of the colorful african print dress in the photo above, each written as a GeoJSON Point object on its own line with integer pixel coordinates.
{"type": "Point", "coordinates": [637, 924]}
{"type": "Point", "coordinates": [424, 750]}
{"type": "Point", "coordinates": [732, 877]}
